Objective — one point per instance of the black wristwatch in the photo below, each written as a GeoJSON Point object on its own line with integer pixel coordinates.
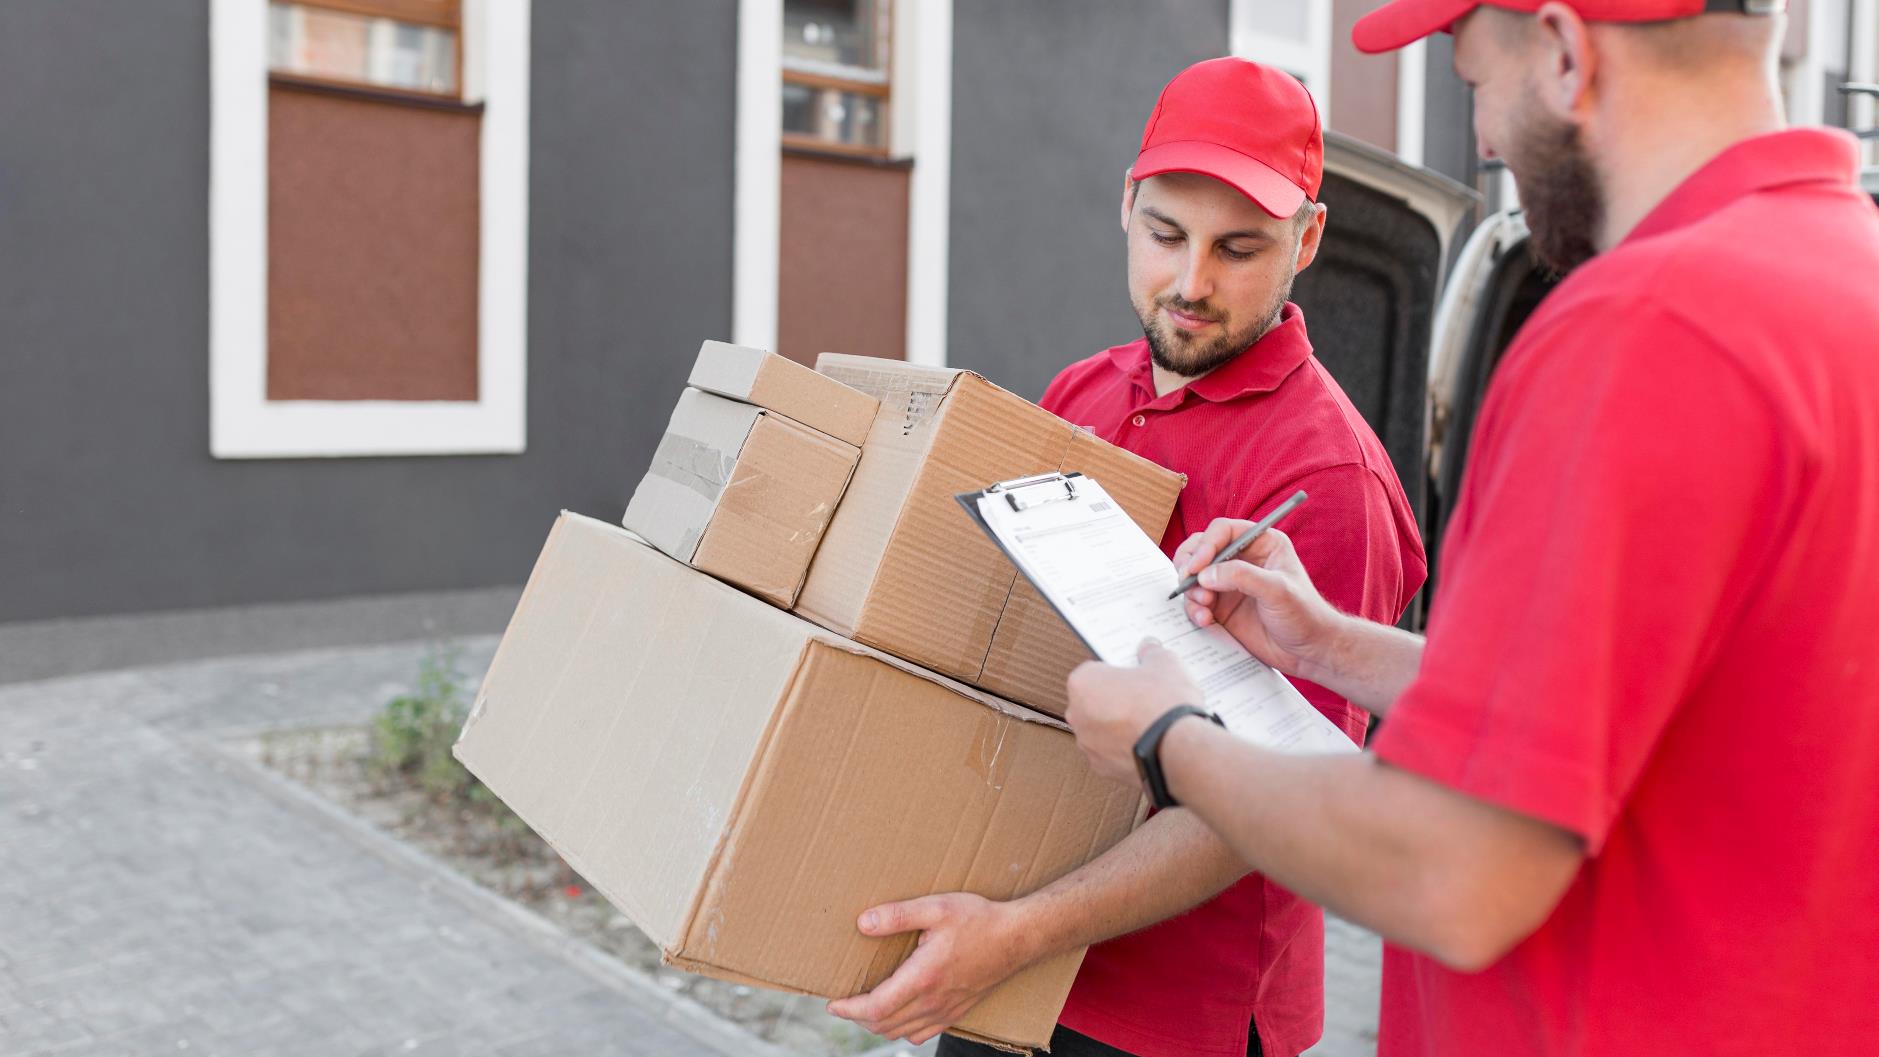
{"type": "Point", "coordinates": [1148, 751]}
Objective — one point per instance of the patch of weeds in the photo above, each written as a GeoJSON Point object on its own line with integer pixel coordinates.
{"type": "Point", "coordinates": [412, 735]}
{"type": "Point", "coordinates": [410, 745]}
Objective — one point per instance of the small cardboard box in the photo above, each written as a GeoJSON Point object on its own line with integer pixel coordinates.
{"type": "Point", "coordinates": [904, 569]}
{"type": "Point", "coordinates": [786, 387]}
{"type": "Point", "coordinates": [741, 492]}
{"type": "Point", "coordinates": [742, 784]}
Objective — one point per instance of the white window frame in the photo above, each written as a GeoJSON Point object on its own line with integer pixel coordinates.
{"type": "Point", "coordinates": [243, 422]}
{"type": "Point", "coordinates": [757, 193]}
{"type": "Point", "coordinates": [927, 26]}
{"type": "Point", "coordinates": [1308, 60]}
{"type": "Point", "coordinates": [921, 128]}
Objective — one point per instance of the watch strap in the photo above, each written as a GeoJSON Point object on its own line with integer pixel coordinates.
{"type": "Point", "coordinates": [1148, 751]}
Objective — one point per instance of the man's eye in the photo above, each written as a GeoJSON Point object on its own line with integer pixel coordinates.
{"type": "Point", "coordinates": [1164, 239]}
{"type": "Point", "coordinates": [1237, 255]}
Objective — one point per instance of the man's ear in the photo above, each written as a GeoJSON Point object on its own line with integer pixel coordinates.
{"type": "Point", "coordinates": [1566, 62]}
{"type": "Point", "coordinates": [1128, 197]}
{"type": "Point", "coordinates": [1310, 238]}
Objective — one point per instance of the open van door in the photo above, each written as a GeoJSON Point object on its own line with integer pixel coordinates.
{"type": "Point", "coordinates": [1370, 298]}
{"type": "Point", "coordinates": [1495, 286]}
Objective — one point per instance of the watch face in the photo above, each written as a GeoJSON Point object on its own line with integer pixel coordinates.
{"type": "Point", "coordinates": [1148, 753]}
{"type": "Point", "coordinates": [1144, 761]}
{"type": "Point", "coordinates": [1148, 764]}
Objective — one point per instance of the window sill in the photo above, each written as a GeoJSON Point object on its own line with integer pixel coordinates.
{"type": "Point", "coordinates": [372, 93]}
{"type": "Point", "coordinates": [796, 149]}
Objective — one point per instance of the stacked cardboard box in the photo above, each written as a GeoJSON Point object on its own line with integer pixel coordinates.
{"type": "Point", "coordinates": [744, 481]}
{"type": "Point", "coordinates": [765, 379]}
{"type": "Point", "coordinates": [903, 570]}
{"type": "Point", "coordinates": [742, 782]}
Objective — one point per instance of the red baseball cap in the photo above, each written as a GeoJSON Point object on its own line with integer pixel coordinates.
{"type": "Point", "coordinates": [1252, 127]}
{"type": "Point", "coordinates": [1406, 21]}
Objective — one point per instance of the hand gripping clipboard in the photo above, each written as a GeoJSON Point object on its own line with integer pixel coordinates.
{"type": "Point", "coordinates": [1111, 584]}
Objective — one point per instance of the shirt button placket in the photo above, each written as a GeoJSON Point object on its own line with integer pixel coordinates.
{"type": "Point", "coordinates": [1139, 420]}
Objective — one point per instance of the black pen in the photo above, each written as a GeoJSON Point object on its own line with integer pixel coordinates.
{"type": "Point", "coordinates": [1238, 545]}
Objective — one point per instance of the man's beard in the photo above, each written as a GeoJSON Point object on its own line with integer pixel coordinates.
{"type": "Point", "coordinates": [1179, 354]}
{"type": "Point", "coordinates": [1560, 190]}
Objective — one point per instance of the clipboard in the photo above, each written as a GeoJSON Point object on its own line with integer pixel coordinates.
{"type": "Point", "coordinates": [1024, 493]}
{"type": "Point", "coordinates": [1110, 585]}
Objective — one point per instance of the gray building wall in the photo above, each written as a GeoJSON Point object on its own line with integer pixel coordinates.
{"type": "Point", "coordinates": [1448, 121]}
{"type": "Point", "coordinates": [109, 500]}
{"type": "Point", "coordinates": [1049, 100]}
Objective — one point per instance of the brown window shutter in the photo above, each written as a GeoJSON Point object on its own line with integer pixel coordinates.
{"type": "Point", "coordinates": [842, 281]}
{"type": "Point", "coordinates": [373, 235]}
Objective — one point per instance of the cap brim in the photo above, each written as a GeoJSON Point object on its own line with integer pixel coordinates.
{"type": "Point", "coordinates": [1404, 22]}
{"type": "Point", "coordinates": [1269, 190]}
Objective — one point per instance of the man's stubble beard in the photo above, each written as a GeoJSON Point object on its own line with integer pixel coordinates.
{"type": "Point", "coordinates": [1559, 189]}
{"type": "Point", "coordinates": [1179, 355]}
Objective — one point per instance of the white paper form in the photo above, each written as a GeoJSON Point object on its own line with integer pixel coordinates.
{"type": "Point", "coordinates": [1111, 582]}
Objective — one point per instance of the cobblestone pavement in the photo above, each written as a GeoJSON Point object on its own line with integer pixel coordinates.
{"type": "Point", "coordinates": [158, 895]}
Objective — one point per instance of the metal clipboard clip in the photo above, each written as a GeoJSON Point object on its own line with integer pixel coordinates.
{"type": "Point", "coordinates": [1025, 493]}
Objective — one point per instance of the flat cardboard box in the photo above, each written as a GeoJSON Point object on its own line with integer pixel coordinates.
{"type": "Point", "coordinates": [755, 376]}
{"type": "Point", "coordinates": [741, 784]}
{"type": "Point", "coordinates": [741, 492]}
{"type": "Point", "coordinates": [904, 569]}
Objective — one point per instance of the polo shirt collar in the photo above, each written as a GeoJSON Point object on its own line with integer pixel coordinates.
{"type": "Point", "coordinates": [1777, 159]}
{"type": "Point", "coordinates": [1259, 368]}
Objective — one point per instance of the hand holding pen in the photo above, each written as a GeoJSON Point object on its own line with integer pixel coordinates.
{"type": "Point", "coordinates": [1233, 549]}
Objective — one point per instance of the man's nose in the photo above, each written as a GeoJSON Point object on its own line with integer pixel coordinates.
{"type": "Point", "coordinates": [1197, 281]}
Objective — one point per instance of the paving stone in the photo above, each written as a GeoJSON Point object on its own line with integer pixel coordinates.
{"type": "Point", "coordinates": [154, 900]}
{"type": "Point", "coordinates": [1353, 962]}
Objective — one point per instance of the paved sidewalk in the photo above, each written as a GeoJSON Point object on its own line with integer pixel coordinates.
{"type": "Point", "coordinates": [1353, 977]}
{"type": "Point", "coordinates": [158, 895]}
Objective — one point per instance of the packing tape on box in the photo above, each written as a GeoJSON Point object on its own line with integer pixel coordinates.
{"type": "Point", "coordinates": [911, 399]}
{"type": "Point", "coordinates": [695, 465]}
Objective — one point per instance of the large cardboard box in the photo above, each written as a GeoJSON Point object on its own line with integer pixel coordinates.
{"type": "Point", "coordinates": [904, 569]}
{"type": "Point", "coordinates": [756, 376]}
{"type": "Point", "coordinates": [741, 492]}
{"type": "Point", "coordinates": [742, 784]}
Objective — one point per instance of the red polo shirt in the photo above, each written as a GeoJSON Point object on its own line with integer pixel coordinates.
{"type": "Point", "coordinates": [1658, 628]}
{"type": "Point", "coordinates": [1247, 435]}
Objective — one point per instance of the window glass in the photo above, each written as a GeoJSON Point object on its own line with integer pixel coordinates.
{"type": "Point", "coordinates": [834, 115]}
{"type": "Point", "coordinates": [835, 73]}
{"type": "Point", "coordinates": [311, 41]}
{"type": "Point", "coordinates": [843, 38]}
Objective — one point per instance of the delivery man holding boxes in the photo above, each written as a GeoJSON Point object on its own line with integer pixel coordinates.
{"type": "Point", "coordinates": [1220, 215]}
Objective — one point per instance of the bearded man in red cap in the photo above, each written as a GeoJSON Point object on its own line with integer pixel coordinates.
{"type": "Point", "coordinates": [1220, 213]}
{"type": "Point", "coordinates": [1625, 798]}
